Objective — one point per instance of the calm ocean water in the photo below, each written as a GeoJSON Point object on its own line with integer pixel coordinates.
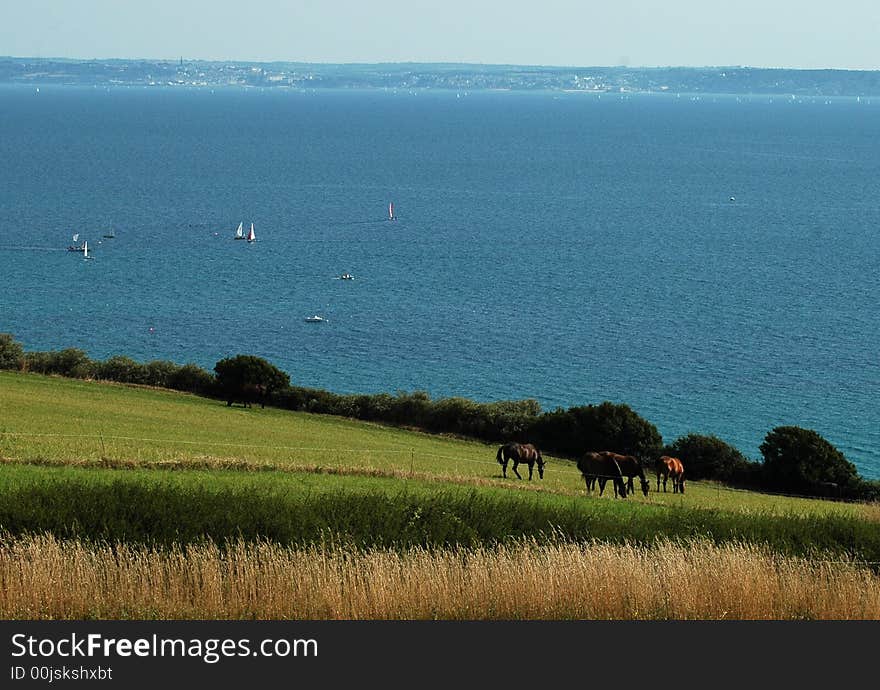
{"type": "Point", "coordinates": [562, 247]}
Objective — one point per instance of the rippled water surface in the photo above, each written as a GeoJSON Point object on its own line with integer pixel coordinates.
{"type": "Point", "coordinates": [562, 247]}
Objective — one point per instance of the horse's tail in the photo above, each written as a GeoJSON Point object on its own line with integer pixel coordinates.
{"type": "Point", "coordinates": [498, 457]}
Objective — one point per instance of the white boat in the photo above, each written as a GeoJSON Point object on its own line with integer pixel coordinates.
{"type": "Point", "coordinates": [251, 237]}
{"type": "Point", "coordinates": [346, 276]}
{"type": "Point", "coordinates": [86, 251]}
{"type": "Point", "coordinates": [315, 319]}
{"type": "Point", "coordinates": [391, 215]}
{"type": "Point", "coordinates": [75, 247]}
{"type": "Point", "coordinates": [239, 233]}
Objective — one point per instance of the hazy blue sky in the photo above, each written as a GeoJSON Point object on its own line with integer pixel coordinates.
{"type": "Point", "coordinates": [760, 33]}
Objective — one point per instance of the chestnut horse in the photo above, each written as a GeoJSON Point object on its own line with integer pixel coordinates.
{"type": "Point", "coordinates": [670, 467]}
{"type": "Point", "coordinates": [602, 466]}
{"type": "Point", "coordinates": [524, 453]}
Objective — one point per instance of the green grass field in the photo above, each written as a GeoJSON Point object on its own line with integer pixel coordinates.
{"type": "Point", "coordinates": [56, 420]}
{"type": "Point", "coordinates": [107, 461]}
{"type": "Point", "coordinates": [154, 504]}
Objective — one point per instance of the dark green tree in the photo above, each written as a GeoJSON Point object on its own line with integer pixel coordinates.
{"type": "Point", "coordinates": [11, 352]}
{"type": "Point", "coordinates": [797, 459]}
{"type": "Point", "coordinates": [708, 457]}
{"type": "Point", "coordinates": [607, 426]}
{"type": "Point", "coordinates": [248, 379]}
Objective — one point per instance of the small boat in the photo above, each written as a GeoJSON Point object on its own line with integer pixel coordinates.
{"type": "Point", "coordinates": [239, 233]}
{"type": "Point", "coordinates": [86, 251]}
{"type": "Point", "coordinates": [346, 276]}
{"type": "Point", "coordinates": [391, 215]}
{"type": "Point", "coordinates": [315, 319]}
{"type": "Point", "coordinates": [110, 235]}
{"type": "Point", "coordinates": [75, 247]}
{"type": "Point", "coordinates": [251, 237]}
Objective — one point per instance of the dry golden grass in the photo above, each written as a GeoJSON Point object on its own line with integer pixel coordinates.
{"type": "Point", "coordinates": [45, 578]}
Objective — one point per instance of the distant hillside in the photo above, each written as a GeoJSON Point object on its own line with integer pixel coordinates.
{"type": "Point", "coordinates": [459, 77]}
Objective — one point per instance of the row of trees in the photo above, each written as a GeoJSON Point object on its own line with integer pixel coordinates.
{"type": "Point", "coordinates": [794, 459]}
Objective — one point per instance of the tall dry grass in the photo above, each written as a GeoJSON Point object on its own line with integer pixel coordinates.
{"type": "Point", "coordinates": [45, 578]}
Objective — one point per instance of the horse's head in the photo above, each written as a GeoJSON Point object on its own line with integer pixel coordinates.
{"type": "Point", "coordinates": [540, 463]}
{"type": "Point", "coordinates": [645, 486]}
{"type": "Point", "coordinates": [681, 485]}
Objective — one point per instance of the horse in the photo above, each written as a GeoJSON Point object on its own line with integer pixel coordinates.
{"type": "Point", "coordinates": [630, 467]}
{"type": "Point", "coordinates": [524, 453]}
{"type": "Point", "coordinates": [670, 467]}
{"type": "Point", "coordinates": [602, 466]}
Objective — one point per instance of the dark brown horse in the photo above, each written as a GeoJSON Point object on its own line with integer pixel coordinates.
{"type": "Point", "coordinates": [630, 467]}
{"type": "Point", "coordinates": [602, 467]}
{"type": "Point", "coordinates": [520, 453]}
{"type": "Point", "coordinates": [670, 467]}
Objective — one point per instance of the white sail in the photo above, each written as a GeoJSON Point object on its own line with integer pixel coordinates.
{"type": "Point", "coordinates": [240, 232]}
{"type": "Point", "coordinates": [251, 236]}
{"type": "Point", "coordinates": [391, 210]}
{"type": "Point", "coordinates": [76, 237]}
{"type": "Point", "coordinates": [86, 250]}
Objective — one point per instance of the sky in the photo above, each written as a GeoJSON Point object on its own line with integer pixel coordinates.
{"type": "Point", "coordinates": [809, 34]}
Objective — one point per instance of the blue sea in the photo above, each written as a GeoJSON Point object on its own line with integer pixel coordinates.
{"type": "Point", "coordinates": [713, 262]}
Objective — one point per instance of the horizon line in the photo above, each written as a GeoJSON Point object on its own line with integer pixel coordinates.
{"type": "Point", "coordinates": [434, 62]}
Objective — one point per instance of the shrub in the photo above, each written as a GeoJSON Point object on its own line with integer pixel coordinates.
{"type": "Point", "coordinates": [708, 457]}
{"type": "Point", "coordinates": [70, 362]}
{"type": "Point", "coordinates": [11, 352]}
{"type": "Point", "coordinates": [607, 426]}
{"type": "Point", "coordinates": [121, 369]}
{"type": "Point", "coordinates": [797, 459]}
{"type": "Point", "coordinates": [191, 378]}
{"type": "Point", "coordinates": [247, 378]}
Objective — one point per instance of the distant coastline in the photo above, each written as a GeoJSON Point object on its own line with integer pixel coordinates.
{"type": "Point", "coordinates": [441, 76]}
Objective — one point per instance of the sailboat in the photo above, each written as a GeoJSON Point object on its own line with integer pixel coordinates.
{"type": "Point", "coordinates": [86, 251]}
{"type": "Point", "coordinates": [251, 237]}
{"type": "Point", "coordinates": [239, 233]}
{"type": "Point", "coordinates": [75, 247]}
{"type": "Point", "coordinates": [391, 211]}
{"type": "Point", "coordinates": [110, 235]}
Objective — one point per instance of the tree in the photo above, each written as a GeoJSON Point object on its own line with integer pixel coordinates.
{"type": "Point", "coordinates": [801, 460]}
{"type": "Point", "coordinates": [11, 352]}
{"type": "Point", "coordinates": [708, 457]}
{"type": "Point", "coordinates": [608, 426]}
{"type": "Point", "coordinates": [248, 379]}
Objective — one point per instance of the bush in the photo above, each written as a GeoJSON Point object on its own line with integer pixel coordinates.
{"type": "Point", "coordinates": [708, 457]}
{"type": "Point", "coordinates": [800, 460]}
{"type": "Point", "coordinates": [159, 372]}
{"type": "Point", "coordinates": [247, 379]}
{"type": "Point", "coordinates": [607, 426]}
{"type": "Point", "coordinates": [11, 352]}
{"type": "Point", "coordinates": [121, 369]}
{"type": "Point", "coordinates": [71, 362]}
{"type": "Point", "coordinates": [191, 378]}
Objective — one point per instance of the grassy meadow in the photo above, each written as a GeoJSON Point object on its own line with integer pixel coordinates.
{"type": "Point", "coordinates": [179, 482]}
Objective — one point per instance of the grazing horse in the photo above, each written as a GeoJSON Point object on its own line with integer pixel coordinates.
{"type": "Point", "coordinates": [670, 467]}
{"type": "Point", "coordinates": [602, 466]}
{"type": "Point", "coordinates": [524, 453]}
{"type": "Point", "coordinates": [630, 467]}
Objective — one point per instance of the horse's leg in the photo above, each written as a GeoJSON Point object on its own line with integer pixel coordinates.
{"type": "Point", "coordinates": [504, 471]}
{"type": "Point", "coordinates": [531, 467]}
{"type": "Point", "coordinates": [602, 481]}
{"type": "Point", "coordinates": [516, 471]}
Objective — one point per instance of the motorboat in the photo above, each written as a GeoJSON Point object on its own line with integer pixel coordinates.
{"type": "Point", "coordinates": [315, 319]}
